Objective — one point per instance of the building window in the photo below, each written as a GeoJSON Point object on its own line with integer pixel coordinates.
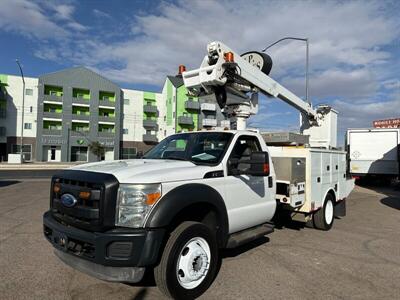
{"type": "Point", "coordinates": [79, 153]}
{"type": "Point", "coordinates": [125, 131]}
{"type": "Point", "coordinates": [28, 126]}
{"type": "Point", "coordinates": [129, 153]}
{"type": "Point", "coordinates": [26, 151]}
{"type": "Point", "coordinates": [29, 92]}
{"type": "Point", "coordinates": [2, 131]}
{"type": "Point", "coordinates": [126, 101]}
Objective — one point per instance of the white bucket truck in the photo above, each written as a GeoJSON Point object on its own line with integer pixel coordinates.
{"type": "Point", "coordinates": [196, 193]}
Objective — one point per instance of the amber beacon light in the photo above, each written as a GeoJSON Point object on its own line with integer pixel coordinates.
{"type": "Point", "coordinates": [181, 69]}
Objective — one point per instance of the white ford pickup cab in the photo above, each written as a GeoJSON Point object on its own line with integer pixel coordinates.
{"type": "Point", "coordinates": [188, 197]}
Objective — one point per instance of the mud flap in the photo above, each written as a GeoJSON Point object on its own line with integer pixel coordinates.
{"type": "Point", "coordinates": [340, 209]}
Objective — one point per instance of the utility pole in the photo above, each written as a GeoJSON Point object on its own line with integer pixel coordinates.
{"type": "Point", "coordinates": [23, 110]}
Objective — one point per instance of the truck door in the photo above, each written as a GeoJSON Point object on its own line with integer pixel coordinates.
{"type": "Point", "coordinates": [249, 198]}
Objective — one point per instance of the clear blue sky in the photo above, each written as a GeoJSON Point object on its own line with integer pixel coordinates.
{"type": "Point", "coordinates": [354, 46]}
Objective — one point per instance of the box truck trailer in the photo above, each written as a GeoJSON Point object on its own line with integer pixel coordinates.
{"type": "Point", "coordinates": [374, 152]}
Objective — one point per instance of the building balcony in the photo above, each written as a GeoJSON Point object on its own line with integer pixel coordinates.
{"type": "Point", "coordinates": [192, 105]}
{"type": "Point", "coordinates": [53, 98]}
{"type": "Point", "coordinates": [150, 138]}
{"type": "Point", "coordinates": [81, 133]}
{"type": "Point", "coordinates": [185, 120]}
{"type": "Point", "coordinates": [80, 100]}
{"type": "Point", "coordinates": [107, 103]}
{"type": "Point", "coordinates": [3, 113]}
{"type": "Point", "coordinates": [106, 134]}
{"type": "Point", "coordinates": [53, 115]}
{"type": "Point", "coordinates": [106, 119]}
{"type": "Point", "coordinates": [150, 109]}
{"type": "Point", "coordinates": [52, 132]}
{"type": "Point", "coordinates": [148, 123]}
{"type": "Point", "coordinates": [208, 106]}
{"type": "Point", "coordinates": [80, 117]}
{"type": "Point", "coordinates": [209, 122]}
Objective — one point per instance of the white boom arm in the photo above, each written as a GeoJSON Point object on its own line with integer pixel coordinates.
{"type": "Point", "coordinates": [240, 81]}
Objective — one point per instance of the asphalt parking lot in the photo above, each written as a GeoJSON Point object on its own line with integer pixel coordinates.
{"type": "Point", "coordinates": [358, 259]}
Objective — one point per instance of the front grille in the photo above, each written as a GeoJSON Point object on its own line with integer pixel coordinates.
{"type": "Point", "coordinates": [95, 213]}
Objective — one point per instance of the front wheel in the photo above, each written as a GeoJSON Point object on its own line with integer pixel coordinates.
{"type": "Point", "coordinates": [189, 262]}
{"type": "Point", "coordinates": [323, 218]}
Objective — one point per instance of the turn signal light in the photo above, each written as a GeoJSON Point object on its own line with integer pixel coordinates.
{"type": "Point", "coordinates": [153, 198]}
{"type": "Point", "coordinates": [228, 56]}
{"type": "Point", "coordinates": [56, 188]}
{"type": "Point", "coordinates": [84, 195]}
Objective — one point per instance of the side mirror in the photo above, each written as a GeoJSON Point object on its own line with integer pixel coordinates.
{"type": "Point", "coordinates": [259, 164]}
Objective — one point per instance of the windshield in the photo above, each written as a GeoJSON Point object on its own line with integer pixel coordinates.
{"type": "Point", "coordinates": [202, 147]}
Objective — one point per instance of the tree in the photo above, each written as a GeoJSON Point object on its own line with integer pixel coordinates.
{"type": "Point", "coordinates": [97, 149]}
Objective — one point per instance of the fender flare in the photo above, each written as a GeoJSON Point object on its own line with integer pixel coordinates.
{"type": "Point", "coordinates": [182, 197]}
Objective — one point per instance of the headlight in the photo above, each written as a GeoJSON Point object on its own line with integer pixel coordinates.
{"type": "Point", "coordinates": [134, 203]}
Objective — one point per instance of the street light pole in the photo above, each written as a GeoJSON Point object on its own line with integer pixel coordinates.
{"type": "Point", "coordinates": [23, 109]}
{"type": "Point", "coordinates": [307, 58]}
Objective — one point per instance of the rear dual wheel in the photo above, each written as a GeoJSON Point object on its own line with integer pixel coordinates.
{"type": "Point", "coordinates": [188, 263]}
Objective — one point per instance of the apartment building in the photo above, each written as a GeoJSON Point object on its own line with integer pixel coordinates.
{"type": "Point", "coordinates": [142, 124]}
{"type": "Point", "coordinates": [11, 89]}
{"type": "Point", "coordinates": [66, 111]}
{"type": "Point", "coordinates": [75, 108]}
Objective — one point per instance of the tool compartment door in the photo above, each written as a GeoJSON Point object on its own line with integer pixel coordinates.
{"type": "Point", "coordinates": [315, 184]}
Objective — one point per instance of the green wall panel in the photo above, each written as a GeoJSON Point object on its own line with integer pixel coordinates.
{"type": "Point", "coordinates": [149, 96]}
{"type": "Point", "coordinates": [3, 79]}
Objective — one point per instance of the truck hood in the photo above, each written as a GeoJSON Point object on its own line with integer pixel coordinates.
{"type": "Point", "coordinates": [147, 170]}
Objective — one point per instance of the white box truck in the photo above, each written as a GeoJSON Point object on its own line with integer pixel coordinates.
{"type": "Point", "coordinates": [374, 152]}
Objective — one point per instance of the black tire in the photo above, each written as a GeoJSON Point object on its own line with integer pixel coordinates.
{"type": "Point", "coordinates": [319, 218]}
{"type": "Point", "coordinates": [166, 273]}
